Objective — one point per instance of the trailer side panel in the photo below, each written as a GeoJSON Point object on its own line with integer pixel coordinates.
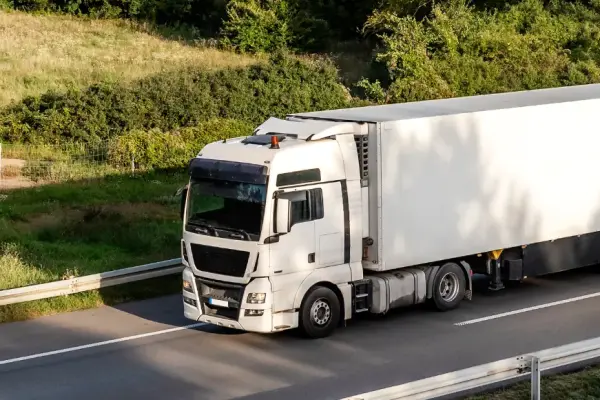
{"type": "Point", "coordinates": [457, 185]}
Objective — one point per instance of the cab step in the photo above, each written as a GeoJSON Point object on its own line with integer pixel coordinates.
{"type": "Point", "coordinates": [362, 293]}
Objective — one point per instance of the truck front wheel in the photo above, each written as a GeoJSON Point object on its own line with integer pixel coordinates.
{"type": "Point", "coordinates": [319, 313]}
{"type": "Point", "coordinates": [449, 287]}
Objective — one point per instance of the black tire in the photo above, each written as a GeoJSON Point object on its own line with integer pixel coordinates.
{"type": "Point", "coordinates": [319, 313]}
{"type": "Point", "coordinates": [449, 286]}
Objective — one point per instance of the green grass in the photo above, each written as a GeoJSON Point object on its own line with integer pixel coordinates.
{"type": "Point", "coordinates": [79, 228]}
{"type": "Point", "coordinates": [583, 385]}
{"type": "Point", "coordinates": [59, 231]}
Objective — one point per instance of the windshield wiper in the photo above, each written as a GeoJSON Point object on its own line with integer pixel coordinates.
{"type": "Point", "coordinates": [239, 233]}
{"type": "Point", "coordinates": [206, 228]}
{"type": "Point", "coordinates": [203, 228]}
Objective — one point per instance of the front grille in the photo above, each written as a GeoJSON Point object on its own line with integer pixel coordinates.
{"type": "Point", "coordinates": [231, 293]}
{"type": "Point", "coordinates": [218, 260]}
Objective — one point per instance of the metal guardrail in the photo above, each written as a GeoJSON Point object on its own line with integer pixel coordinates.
{"type": "Point", "coordinates": [490, 374]}
{"type": "Point", "coordinates": [90, 282]}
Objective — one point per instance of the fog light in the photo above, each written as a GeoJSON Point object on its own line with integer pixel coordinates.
{"type": "Point", "coordinates": [187, 286]}
{"type": "Point", "coordinates": [189, 301]}
{"type": "Point", "coordinates": [256, 298]}
{"type": "Point", "coordinates": [254, 313]}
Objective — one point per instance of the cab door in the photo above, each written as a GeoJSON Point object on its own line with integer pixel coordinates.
{"type": "Point", "coordinates": [315, 238]}
{"type": "Point", "coordinates": [295, 251]}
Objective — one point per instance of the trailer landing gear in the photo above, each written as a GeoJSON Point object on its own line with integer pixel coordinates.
{"type": "Point", "coordinates": [496, 283]}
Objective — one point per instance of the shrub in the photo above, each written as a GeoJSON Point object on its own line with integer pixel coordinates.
{"type": "Point", "coordinates": [306, 25]}
{"type": "Point", "coordinates": [258, 25]}
{"type": "Point", "coordinates": [164, 150]}
{"type": "Point", "coordinates": [171, 100]}
{"type": "Point", "coordinates": [461, 51]}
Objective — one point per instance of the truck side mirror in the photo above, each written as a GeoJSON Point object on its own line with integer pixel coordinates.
{"type": "Point", "coordinates": [282, 216]}
{"type": "Point", "coordinates": [184, 193]}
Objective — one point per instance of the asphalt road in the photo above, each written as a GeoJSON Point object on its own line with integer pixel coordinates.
{"type": "Point", "coordinates": [213, 363]}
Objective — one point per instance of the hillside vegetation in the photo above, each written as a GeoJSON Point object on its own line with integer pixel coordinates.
{"type": "Point", "coordinates": [137, 80]}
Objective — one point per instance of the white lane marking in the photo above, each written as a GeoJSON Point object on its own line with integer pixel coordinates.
{"type": "Point", "coordinates": [524, 310]}
{"type": "Point", "coordinates": [107, 342]}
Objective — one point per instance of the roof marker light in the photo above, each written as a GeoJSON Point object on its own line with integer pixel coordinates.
{"type": "Point", "coordinates": [274, 142]}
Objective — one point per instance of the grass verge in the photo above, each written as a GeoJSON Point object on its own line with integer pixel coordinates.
{"type": "Point", "coordinates": [580, 385]}
{"type": "Point", "coordinates": [39, 53]}
{"type": "Point", "coordinates": [70, 229]}
{"type": "Point", "coordinates": [58, 231]}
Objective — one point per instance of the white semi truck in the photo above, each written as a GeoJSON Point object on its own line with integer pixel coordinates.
{"type": "Point", "coordinates": [311, 220]}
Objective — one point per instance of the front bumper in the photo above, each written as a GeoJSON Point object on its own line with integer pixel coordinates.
{"type": "Point", "coordinates": [196, 307]}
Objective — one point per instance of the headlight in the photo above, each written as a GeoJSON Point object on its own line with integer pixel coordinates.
{"type": "Point", "coordinates": [187, 286]}
{"type": "Point", "coordinates": [256, 298]}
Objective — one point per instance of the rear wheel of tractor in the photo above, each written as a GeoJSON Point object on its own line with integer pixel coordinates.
{"type": "Point", "coordinates": [319, 313]}
{"type": "Point", "coordinates": [449, 286]}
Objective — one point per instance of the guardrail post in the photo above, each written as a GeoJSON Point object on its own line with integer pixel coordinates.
{"type": "Point", "coordinates": [535, 378]}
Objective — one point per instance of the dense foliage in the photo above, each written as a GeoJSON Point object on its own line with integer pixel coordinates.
{"type": "Point", "coordinates": [158, 149]}
{"type": "Point", "coordinates": [172, 100]}
{"type": "Point", "coordinates": [249, 25]}
{"type": "Point", "coordinates": [305, 25]}
{"type": "Point", "coordinates": [459, 50]}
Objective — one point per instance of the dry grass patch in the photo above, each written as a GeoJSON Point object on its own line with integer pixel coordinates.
{"type": "Point", "coordinates": [43, 52]}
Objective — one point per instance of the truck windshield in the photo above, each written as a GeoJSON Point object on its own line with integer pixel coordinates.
{"type": "Point", "coordinates": [226, 209]}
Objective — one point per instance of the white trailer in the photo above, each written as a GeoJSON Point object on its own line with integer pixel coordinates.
{"type": "Point", "coordinates": [315, 218]}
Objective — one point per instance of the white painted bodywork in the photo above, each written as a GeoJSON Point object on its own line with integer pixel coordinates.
{"type": "Point", "coordinates": [462, 176]}
{"type": "Point", "coordinates": [469, 183]}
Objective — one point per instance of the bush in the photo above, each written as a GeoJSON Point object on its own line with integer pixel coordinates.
{"type": "Point", "coordinates": [172, 100]}
{"type": "Point", "coordinates": [164, 150]}
{"type": "Point", "coordinates": [258, 25]}
{"type": "Point", "coordinates": [305, 25]}
{"type": "Point", "coordinates": [6, 4]}
{"type": "Point", "coordinates": [461, 51]}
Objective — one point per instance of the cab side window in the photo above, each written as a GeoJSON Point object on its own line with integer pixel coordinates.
{"type": "Point", "coordinates": [306, 205]}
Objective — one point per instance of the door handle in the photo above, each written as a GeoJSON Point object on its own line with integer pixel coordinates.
{"type": "Point", "coordinates": [311, 258]}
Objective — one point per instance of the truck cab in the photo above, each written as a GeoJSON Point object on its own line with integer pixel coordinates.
{"type": "Point", "coordinates": [272, 232]}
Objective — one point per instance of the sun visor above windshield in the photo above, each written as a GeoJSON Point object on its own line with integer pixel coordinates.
{"type": "Point", "coordinates": [203, 168]}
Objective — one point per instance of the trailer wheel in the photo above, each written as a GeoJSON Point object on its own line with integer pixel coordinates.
{"type": "Point", "coordinates": [319, 313]}
{"type": "Point", "coordinates": [449, 286]}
